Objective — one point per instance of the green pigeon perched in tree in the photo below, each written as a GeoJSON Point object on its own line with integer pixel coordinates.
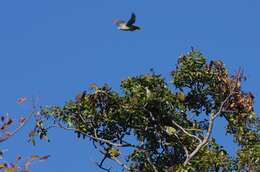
{"type": "Point", "coordinates": [127, 26]}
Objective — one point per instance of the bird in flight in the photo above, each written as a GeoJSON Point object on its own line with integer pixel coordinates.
{"type": "Point", "coordinates": [127, 26]}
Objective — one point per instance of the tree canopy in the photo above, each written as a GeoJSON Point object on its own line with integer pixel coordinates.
{"type": "Point", "coordinates": [152, 125]}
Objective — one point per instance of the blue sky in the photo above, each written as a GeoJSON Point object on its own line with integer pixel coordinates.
{"type": "Point", "coordinates": [53, 49]}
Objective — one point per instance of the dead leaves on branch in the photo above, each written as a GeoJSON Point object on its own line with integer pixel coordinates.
{"type": "Point", "coordinates": [19, 166]}
{"type": "Point", "coordinates": [239, 101]}
{"type": "Point", "coordinates": [6, 122]}
{"type": "Point", "coordinates": [7, 130]}
{"type": "Point", "coordinates": [242, 102]}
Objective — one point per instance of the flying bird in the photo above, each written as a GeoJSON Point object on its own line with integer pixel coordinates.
{"type": "Point", "coordinates": [127, 26]}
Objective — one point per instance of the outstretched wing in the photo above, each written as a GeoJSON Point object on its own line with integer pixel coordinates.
{"type": "Point", "coordinates": [131, 20]}
{"type": "Point", "coordinates": [118, 22]}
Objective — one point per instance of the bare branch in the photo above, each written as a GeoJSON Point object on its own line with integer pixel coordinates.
{"type": "Point", "coordinates": [121, 163]}
{"type": "Point", "coordinates": [222, 106]}
{"type": "Point", "coordinates": [209, 131]}
{"type": "Point", "coordinates": [212, 117]}
{"type": "Point", "coordinates": [95, 137]}
{"type": "Point", "coordinates": [183, 146]}
{"type": "Point", "coordinates": [205, 140]}
{"type": "Point", "coordinates": [100, 165]}
{"type": "Point", "coordinates": [186, 132]}
{"type": "Point", "coordinates": [7, 135]}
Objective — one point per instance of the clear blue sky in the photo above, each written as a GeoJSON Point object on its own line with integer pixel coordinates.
{"type": "Point", "coordinates": [56, 48]}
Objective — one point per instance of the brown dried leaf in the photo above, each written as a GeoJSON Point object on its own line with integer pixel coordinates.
{"type": "Point", "coordinates": [21, 100]}
{"type": "Point", "coordinates": [22, 120]}
{"type": "Point", "coordinates": [34, 157]}
{"type": "Point", "coordinates": [44, 157]}
{"type": "Point", "coordinates": [18, 157]}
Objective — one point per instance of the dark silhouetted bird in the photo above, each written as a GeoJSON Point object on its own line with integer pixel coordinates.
{"type": "Point", "coordinates": [127, 26]}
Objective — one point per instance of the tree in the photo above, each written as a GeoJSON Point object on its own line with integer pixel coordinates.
{"type": "Point", "coordinates": [152, 127]}
{"type": "Point", "coordinates": [6, 132]}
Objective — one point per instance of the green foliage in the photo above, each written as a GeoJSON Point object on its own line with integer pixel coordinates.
{"type": "Point", "coordinates": [156, 128]}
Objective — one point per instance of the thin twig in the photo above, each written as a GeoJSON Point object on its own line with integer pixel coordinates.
{"type": "Point", "coordinates": [10, 134]}
{"type": "Point", "coordinates": [100, 165]}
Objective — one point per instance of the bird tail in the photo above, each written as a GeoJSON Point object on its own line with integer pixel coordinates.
{"type": "Point", "coordinates": [137, 28]}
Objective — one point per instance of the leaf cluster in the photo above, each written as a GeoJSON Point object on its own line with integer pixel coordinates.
{"type": "Point", "coordinates": [159, 127]}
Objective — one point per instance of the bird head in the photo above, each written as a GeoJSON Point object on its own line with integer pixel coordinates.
{"type": "Point", "coordinates": [115, 21]}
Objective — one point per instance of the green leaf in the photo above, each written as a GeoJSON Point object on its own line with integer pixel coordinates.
{"type": "Point", "coordinates": [170, 130]}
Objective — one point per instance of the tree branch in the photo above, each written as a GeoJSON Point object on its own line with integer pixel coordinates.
{"type": "Point", "coordinates": [95, 137]}
{"type": "Point", "coordinates": [7, 135]}
{"type": "Point", "coordinates": [183, 146]}
{"type": "Point", "coordinates": [112, 158]}
{"type": "Point", "coordinates": [100, 165]}
{"type": "Point", "coordinates": [186, 132]}
{"type": "Point", "coordinates": [121, 163]}
{"type": "Point", "coordinates": [209, 131]}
